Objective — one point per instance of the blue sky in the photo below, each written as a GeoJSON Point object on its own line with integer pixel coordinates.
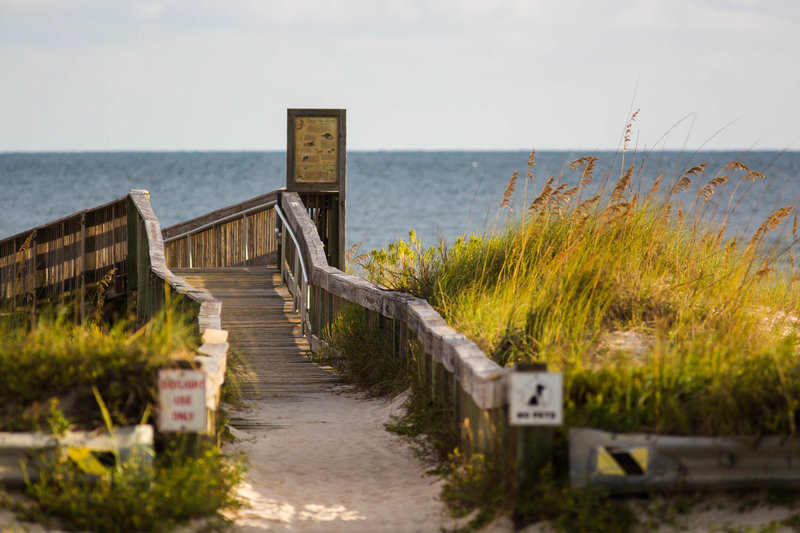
{"type": "Point", "coordinates": [412, 74]}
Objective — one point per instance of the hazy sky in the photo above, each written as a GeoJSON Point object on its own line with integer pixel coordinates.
{"type": "Point", "coordinates": [412, 74]}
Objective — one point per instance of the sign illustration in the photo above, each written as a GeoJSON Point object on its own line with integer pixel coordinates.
{"type": "Point", "coordinates": [315, 152]}
{"type": "Point", "coordinates": [535, 399]}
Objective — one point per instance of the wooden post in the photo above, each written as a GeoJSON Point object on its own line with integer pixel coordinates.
{"type": "Point", "coordinates": [83, 269]}
{"type": "Point", "coordinates": [534, 445]}
{"type": "Point", "coordinates": [244, 231]}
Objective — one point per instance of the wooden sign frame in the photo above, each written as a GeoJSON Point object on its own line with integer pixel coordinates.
{"type": "Point", "coordinates": [316, 150]}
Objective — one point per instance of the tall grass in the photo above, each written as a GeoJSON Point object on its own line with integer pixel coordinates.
{"type": "Point", "coordinates": [57, 358]}
{"type": "Point", "coordinates": [657, 317]}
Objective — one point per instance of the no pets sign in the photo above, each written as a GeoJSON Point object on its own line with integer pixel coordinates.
{"type": "Point", "coordinates": [536, 399]}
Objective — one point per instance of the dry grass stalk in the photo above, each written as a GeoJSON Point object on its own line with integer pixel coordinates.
{"type": "Point", "coordinates": [25, 245]}
{"type": "Point", "coordinates": [531, 164]}
{"type": "Point", "coordinates": [588, 169]}
{"type": "Point", "coordinates": [685, 181]}
{"type": "Point", "coordinates": [705, 194]}
{"type": "Point", "coordinates": [628, 128]}
{"type": "Point", "coordinates": [654, 189]}
{"type": "Point", "coordinates": [543, 197]}
{"type": "Point", "coordinates": [508, 194]}
{"type": "Point", "coordinates": [771, 223]}
{"type": "Point", "coordinates": [622, 185]}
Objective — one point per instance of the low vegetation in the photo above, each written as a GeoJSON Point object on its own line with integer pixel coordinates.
{"type": "Point", "coordinates": [659, 318]}
{"type": "Point", "coordinates": [58, 359]}
{"type": "Point", "coordinates": [59, 375]}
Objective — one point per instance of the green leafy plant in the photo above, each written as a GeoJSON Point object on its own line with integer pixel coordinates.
{"type": "Point", "coordinates": [363, 353]}
{"type": "Point", "coordinates": [137, 496]}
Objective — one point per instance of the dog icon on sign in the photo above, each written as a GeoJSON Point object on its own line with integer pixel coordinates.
{"type": "Point", "coordinates": [542, 396]}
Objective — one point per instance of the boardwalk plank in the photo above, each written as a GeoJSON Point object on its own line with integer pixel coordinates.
{"type": "Point", "coordinates": [258, 313]}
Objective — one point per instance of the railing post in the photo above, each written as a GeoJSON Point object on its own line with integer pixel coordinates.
{"type": "Point", "coordinates": [33, 274]}
{"type": "Point", "coordinates": [217, 245]}
{"type": "Point", "coordinates": [297, 282]}
{"type": "Point", "coordinates": [244, 223]}
{"type": "Point", "coordinates": [282, 256]}
{"type": "Point", "coordinates": [83, 268]}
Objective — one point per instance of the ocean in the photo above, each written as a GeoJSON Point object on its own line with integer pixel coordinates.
{"type": "Point", "coordinates": [440, 195]}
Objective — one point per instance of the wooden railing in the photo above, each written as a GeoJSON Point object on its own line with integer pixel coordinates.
{"type": "Point", "coordinates": [149, 277]}
{"type": "Point", "coordinates": [122, 242]}
{"type": "Point", "coordinates": [238, 235]}
{"type": "Point", "coordinates": [454, 369]}
{"type": "Point", "coordinates": [66, 257]}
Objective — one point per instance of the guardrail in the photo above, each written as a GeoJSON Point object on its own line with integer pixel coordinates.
{"type": "Point", "coordinates": [636, 462]}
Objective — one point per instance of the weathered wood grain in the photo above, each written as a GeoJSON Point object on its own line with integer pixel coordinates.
{"type": "Point", "coordinates": [263, 328]}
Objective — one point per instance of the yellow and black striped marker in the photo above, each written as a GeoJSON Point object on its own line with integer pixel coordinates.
{"type": "Point", "coordinates": [95, 462]}
{"type": "Point", "coordinates": [622, 462]}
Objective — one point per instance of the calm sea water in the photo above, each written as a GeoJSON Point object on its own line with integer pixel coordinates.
{"type": "Point", "coordinates": [439, 194]}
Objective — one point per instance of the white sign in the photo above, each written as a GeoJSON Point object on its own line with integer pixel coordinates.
{"type": "Point", "coordinates": [182, 401]}
{"type": "Point", "coordinates": [536, 399]}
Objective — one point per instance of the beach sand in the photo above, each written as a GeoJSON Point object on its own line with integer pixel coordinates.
{"type": "Point", "coordinates": [325, 462]}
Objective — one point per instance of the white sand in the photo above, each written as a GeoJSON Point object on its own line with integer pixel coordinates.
{"type": "Point", "coordinates": [332, 466]}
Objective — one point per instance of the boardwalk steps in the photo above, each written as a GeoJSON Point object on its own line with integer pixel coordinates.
{"type": "Point", "coordinates": [257, 312]}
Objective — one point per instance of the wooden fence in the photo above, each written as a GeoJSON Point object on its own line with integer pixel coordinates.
{"type": "Point", "coordinates": [65, 257]}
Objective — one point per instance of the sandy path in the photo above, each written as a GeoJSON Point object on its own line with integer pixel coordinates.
{"type": "Point", "coordinates": [324, 462]}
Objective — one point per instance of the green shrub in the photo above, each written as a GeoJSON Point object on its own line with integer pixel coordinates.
{"type": "Point", "coordinates": [137, 496]}
{"type": "Point", "coordinates": [56, 358]}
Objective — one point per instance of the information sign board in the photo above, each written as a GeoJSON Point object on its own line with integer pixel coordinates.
{"type": "Point", "coordinates": [536, 399]}
{"type": "Point", "coordinates": [315, 150]}
{"type": "Point", "coordinates": [182, 401]}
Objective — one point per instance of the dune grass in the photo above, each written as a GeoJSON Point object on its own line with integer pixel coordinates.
{"type": "Point", "coordinates": [659, 320]}
{"type": "Point", "coordinates": [58, 358]}
{"type": "Point", "coordinates": [59, 375]}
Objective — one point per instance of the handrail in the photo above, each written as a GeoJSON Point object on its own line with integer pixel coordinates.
{"type": "Point", "coordinates": [222, 221]}
{"type": "Point", "coordinates": [296, 244]}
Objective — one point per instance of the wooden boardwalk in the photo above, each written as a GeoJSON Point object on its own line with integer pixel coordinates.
{"type": "Point", "coordinates": [263, 328]}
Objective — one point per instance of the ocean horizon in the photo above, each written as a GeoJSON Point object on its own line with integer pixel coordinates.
{"type": "Point", "coordinates": [439, 194]}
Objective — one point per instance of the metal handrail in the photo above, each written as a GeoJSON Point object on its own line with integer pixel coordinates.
{"type": "Point", "coordinates": [296, 244]}
{"type": "Point", "coordinates": [222, 220]}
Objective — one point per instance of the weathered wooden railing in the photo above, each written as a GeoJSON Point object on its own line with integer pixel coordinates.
{"type": "Point", "coordinates": [66, 257]}
{"type": "Point", "coordinates": [455, 370]}
{"type": "Point", "coordinates": [119, 243]}
{"type": "Point", "coordinates": [238, 235]}
{"type": "Point", "coordinates": [148, 275]}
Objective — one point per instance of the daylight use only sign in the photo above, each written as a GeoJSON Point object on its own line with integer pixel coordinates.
{"type": "Point", "coordinates": [182, 401]}
{"type": "Point", "coordinates": [536, 399]}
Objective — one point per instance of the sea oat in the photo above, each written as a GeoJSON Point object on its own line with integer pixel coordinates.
{"type": "Point", "coordinates": [508, 194]}
{"type": "Point", "coordinates": [531, 164]}
{"type": "Point", "coordinates": [543, 197]}
{"type": "Point", "coordinates": [771, 223]}
{"type": "Point", "coordinates": [707, 191]}
{"type": "Point", "coordinates": [628, 128]}
{"type": "Point", "coordinates": [621, 186]}
{"type": "Point", "coordinates": [588, 169]}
